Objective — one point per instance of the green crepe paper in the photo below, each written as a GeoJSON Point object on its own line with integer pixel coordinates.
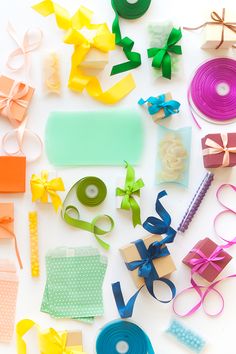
{"type": "Point", "coordinates": [105, 137]}
{"type": "Point", "coordinates": [74, 283]}
{"type": "Point", "coordinates": [158, 33]}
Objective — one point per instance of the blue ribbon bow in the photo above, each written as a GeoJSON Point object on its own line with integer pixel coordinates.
{"type": "Point", "coordinates": [145, 266]}
{"type": "Point", "coordinates": [158, 103]}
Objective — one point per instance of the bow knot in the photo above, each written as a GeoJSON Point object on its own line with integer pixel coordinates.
{"type": "Point", "coordinates": [201, 263]}
{"type": "Point", "coordinates": [157, 103]}
{"type": "Point", "coordinates": [215, 148]}
{"type": "Point", "coordinates": [6, 220]}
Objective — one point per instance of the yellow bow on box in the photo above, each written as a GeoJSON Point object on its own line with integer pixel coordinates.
{"type": "Point", "coordinates": [42, 188]}
{"type": "Point", "coordinates": [84, 35]}
{"type": "Point", "coordinates": [50, 341]}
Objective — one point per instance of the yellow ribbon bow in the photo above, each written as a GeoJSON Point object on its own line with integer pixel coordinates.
{"type": "Point", "coordinates": [215, 148]}
{"type": "Point", "coordinates": [84, 35]}
{"type": "Point", "coordinates": [41, 188]}
{"type": "Point", "coordinates": [50, 341]}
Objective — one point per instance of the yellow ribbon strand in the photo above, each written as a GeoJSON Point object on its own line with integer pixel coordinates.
{"type": "Point", "coordinates": [42, 188]}
{"type": "Point", "coordinates": [84, 35]}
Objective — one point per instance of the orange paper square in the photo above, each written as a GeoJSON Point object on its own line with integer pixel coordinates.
{"type": "Point", "coordinates": [12, 174]}
{"type": "Point", "coordinates": [6, 210]}
{"type": "Point", "coordinates": [18, 112]}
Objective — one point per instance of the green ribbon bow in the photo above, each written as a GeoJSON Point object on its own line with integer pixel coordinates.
{"type": "Point", "coordinates": [130, 190]}
{"type": "Point", "coordinates": [161, 56]}
{"type": "Point", "coordinates": [134, 58]}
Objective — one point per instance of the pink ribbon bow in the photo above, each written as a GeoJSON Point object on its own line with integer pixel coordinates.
{"type": "Point", "coordinates": [200, 264]}
{"type": "Point", "coordinates": [15, 96]}
{"type": "Point", "coordinates": [215, 148]}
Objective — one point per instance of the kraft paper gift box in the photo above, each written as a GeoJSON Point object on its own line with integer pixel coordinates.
{"type": "Point", "coordinates": [12, 174]}
{"type": "Point", "coordinates": [207, 247]}
{"type": "Point", "coordinates": [6, 211]}
{"type": "Point", "coordinates": [163, 265]}
{"type": "Point", "coordinates": [95, 59]}
{"type": "Point", "coordinates": [161, 114]}
{"type": "Point", "coordinates": [18, 110]}
{"type": "Point", "coordinates": [215, 155]}
{"type": "Point", "coordinates": [212, 33]}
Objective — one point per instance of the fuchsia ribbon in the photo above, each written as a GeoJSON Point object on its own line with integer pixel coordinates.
{"type": "Point", "coordinates": [199, 265]}
{"type": "Point", "coordinates": [215, 148]}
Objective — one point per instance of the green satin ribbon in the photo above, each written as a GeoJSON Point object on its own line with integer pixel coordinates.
{"type": "Point", "coordinates": [161, 56]}
{"type": "Point", "coordinates": [93, 185]}
{"type": "Point", "coordinates": [75, 221]}
{"type": "Point", "coordinates": [126, 10]}
{"type": "Point", "coordinates": [130, 190]}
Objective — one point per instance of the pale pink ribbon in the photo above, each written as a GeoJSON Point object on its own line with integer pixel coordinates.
{"type": "Point", "coordinates": [24, 48]}
{"type": "Point", "coordinates": [215, 148]}
{"type": "Point", "coordinates": [15, 96]}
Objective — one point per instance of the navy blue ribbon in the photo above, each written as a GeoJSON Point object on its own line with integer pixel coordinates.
{"type": "Point", "coordinates": [158, 103]}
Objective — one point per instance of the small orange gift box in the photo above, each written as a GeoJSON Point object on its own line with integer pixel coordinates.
{"type": "Point", "coordinates": [12, 174]}
{"type": "Point", "coordinates": [14, 98]}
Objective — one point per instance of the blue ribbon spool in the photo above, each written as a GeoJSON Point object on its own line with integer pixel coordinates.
{"type": "Point", "coordinates": [123, 337]}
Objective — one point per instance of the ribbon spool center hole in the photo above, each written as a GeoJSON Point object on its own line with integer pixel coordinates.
{"type": "Point", "coordinates": [222, 89]}
{"type": "Point", "coordinates": [91, 191]}
{"type": "Point", "coordinates": [122, 347]}
{"type": "Point", "coordinates": [132, 1]}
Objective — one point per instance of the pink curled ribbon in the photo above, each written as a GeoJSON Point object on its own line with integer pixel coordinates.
{"type": "Point", "coordinates": [215, 148]}
{"type": "Point", "coordinates": [24, 47]}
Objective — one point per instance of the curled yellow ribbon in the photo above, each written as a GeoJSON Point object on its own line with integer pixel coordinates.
{"type": "Point", "coordinates": [50, 341]}
{"type": "Point", "coordinates": [42, 188]}
{"type": "Point", "coordinates": [84, 35]}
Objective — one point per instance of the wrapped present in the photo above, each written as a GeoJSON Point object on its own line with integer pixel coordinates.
{"type": "Point", "coordinates": [14, 98]}
{"type": "Point", "coordinates": [12, 176]}
{"type": "Point", "coordinates": [207, 259]}
{"type": "Point", "coordinates": [220, 30]}
{"type": "Point", "coordinates": [95, 59]}
{"type": "Point", "coordinates": [219, 150]}
{"type": "Point", "coordinates": [163, 263]}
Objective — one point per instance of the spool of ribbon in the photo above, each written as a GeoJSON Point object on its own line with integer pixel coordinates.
{"type": "Point", "coordinates": [50, 341]}
{"type": "Point", "coordinates": [204, 94]}
{"type": "Point", "coordinates": [161, 56]}
{"type": "Point", "coordinates": [218, 20]}
{"type": "Point", "coordinates": [42, 188]}
{"type": "Point", "coordinates": [158, 103]}
{"type": "Point", "coordinates": [68, 210]}
{"type": "Point", "coordinates": [128, 193]}
{"type": "Point", "coordinates": [91, 191]}
{"type": "Point", "coordinates": [145, 266]}
{"type": "Point", "coordinates": [99, 37]}
{"type": "Point", "coordinates": [215, 148]}
{"type": "Point", "coordinates": [123, 337]}
{"type": "Point", "coordinates": [127, 10]}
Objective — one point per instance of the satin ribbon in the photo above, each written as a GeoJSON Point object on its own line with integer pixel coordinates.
{"type": "Point", "coordinates": [4, 221]}
{"type": "Point", "coordinates": [219, 21]}
{"type": "Point", "coordinates": [42, 188]}
{"type": "Point", "coordinates": [215, 148]}
{"type": "Point", "coordinates": [158, 103]}
{"type": "Point", "coordinates": [98, 189]}
{"type": "Point", "coordinates": [130, 190]}
{"type": "Point", "coordinates": [92, 227]}
{"type": "Point", "coordinates": [101, 39]}
{"type": "Point", "coordinates": [161, 56]}
{"type": "Point", "coordinates": [50, 341]}
{"type": "Point", "coordinates": [24, 48]}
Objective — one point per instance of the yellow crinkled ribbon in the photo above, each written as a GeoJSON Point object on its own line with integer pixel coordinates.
{"type": "Point", "coordinates": [41, 188]}
{"type": "Point", "coordinates": [84, 36]}
{"type": "Point", "coordinates": [34, 249]}
{"type": "Point", "coordinates": [50, 341]}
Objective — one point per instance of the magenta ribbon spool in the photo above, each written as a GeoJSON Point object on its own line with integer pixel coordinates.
{"type": "Point", "coordinates": [212, 91]}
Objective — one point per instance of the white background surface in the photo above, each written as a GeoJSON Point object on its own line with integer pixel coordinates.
{"type": "Point", "coordinates": [149, 314]}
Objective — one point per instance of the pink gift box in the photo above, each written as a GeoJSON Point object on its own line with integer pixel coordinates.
{"type": "Point", "coordinates": [219, 150]}
{"type": "Point", "coordinates": [211, 269]}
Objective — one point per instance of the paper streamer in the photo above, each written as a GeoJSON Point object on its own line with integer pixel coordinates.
{"type": "Point", "coordinates": [70, 214]}
{"type": "Point", "coordinates": [127, 10]}
{"type": "Point", "coordinates": [212, 91]}
{"type": "Point", "coordinates": [34, 247]}
{"type": "Point", "coordinates": [91, 191]}
{"type": "Point", "coordinates": [123, 337]}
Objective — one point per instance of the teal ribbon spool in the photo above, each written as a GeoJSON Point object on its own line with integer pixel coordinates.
{"type": "Point", "coordinates": [91, 191]}
{"type": "Point", "coordinates": [123, 337]}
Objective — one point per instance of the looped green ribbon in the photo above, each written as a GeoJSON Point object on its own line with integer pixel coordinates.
{"type": "Point", "coordinates": [131, 189]}
{"type": "Point", "coordinates": [92, 227]}
{"type": "Point", "coordinates": [161, 56]}
{"type": "Point", "coordinates": [134, 58]}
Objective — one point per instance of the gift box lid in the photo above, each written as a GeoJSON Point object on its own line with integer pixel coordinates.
{"type": "Point", "coordinates": [12, 176]}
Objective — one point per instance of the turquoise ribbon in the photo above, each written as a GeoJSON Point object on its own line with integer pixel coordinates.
{"type": "Point", "coordinates": [158, 103]}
